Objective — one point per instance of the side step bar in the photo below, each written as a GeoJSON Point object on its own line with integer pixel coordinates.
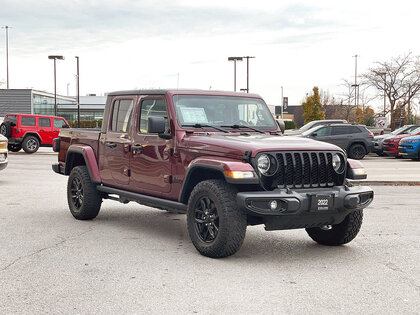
{"type": "Point", "coordinates": [145, 200]}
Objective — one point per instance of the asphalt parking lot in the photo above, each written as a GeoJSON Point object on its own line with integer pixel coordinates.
{"type": "Point", "coordinates": [133, 259]}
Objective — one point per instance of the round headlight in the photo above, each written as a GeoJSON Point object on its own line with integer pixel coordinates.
{"type": "Point", "coordinates": [263, 164]}
{"type": "Point", "coordinates": [338, 163]}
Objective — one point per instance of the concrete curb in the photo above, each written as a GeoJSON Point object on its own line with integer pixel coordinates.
{"type": "Point", "coordinates": [385, 183]}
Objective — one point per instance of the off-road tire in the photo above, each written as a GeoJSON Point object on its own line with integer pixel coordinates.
{"type": "Point", "coordinates": [339, 234]}
{"type": "Point", "coordinates": [30, 144]}
{"type": "Point", "coordinates": [89, 198]}
{"type": "Point", "coordinates": [357, 151]}
{"type": "Point", "coordinates": [14, 147]}
{"type": "Point", "coordinates": [231, 222]}
{"type": "Point", "coordinates": [6, 129]}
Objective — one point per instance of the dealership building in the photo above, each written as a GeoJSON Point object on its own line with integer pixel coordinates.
{"type": "Point", "coordinates": [30, 101]}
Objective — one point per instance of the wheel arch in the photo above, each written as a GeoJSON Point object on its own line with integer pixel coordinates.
{"type": "Point", "coordinates": [82, 155]}
{"type": "Point", "coordinates": [204, 168]}
{"type": "Point", "coordinates": [33, 134]}
{"type": "Point", "coordinates": [198, 173]}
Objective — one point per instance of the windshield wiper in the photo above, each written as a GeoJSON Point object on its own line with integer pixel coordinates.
{"type": "Point", "coordinates": [244, 127]}
{"type": "Point", "coordinates": [205, 125]}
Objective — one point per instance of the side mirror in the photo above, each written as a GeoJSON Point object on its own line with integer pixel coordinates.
{"type": "Point", "coordinates": [281, 124]}
{"type": "Point", "coordinates": [66, 126]}
{"type": "Point", "coordinates": [314, 134]}
{"type": "Point", "coordinates": [156, 124]}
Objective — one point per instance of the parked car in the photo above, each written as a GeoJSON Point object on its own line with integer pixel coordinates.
{"type": "Point", "coordinates": [3, 152]}
{"type": "Point", "coordinates": [390, 145]}
{"type": "Point", "coordinates": [410, 147]}
{"type": "Point", "coordinates": [356, 140]}
{"type": "Point", "coordinates": [313, 124]}
{"type": "Point", "coordinates": [378, 140]}
{"type": "Point", "coordinates": [31, 131]}
{"type": "Point", "coordinates": [218, 156]}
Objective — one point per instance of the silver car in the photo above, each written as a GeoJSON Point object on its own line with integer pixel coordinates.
{"type": "Point", "coordinates": [3, 152]}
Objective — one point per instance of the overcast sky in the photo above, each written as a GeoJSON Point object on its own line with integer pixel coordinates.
{"type": "Point", "coordinates": [164, 44]}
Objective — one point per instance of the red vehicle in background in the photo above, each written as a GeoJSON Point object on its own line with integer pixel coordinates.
{"type": "Point", "coordinates": [31, 131]}
{"type": "Point", "coordinates": [390, 145]}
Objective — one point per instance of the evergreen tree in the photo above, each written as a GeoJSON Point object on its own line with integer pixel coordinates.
{"type": "Point", "coordinates": [312, 107]}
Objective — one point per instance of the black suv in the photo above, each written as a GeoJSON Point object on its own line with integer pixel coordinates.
{"type": "Point", "coordinates": [355, 139]}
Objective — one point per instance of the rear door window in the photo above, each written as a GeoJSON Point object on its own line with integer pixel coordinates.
{"type": "Point", "coordinates": [27, 121]}
{"type": "Point", "coordinates": [59, 123]}
{"type": "Point", "coordinates": [121, 116]}
{"type": "Point", "coordinates": [44, 122]}
{"type": "Point", "coordinates": [340, 130]}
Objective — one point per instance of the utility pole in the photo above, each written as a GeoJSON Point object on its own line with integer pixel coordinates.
{"type": "Point", "coordinates": [384, 74]}
{"type": "Point", "coordinates": [78, 94]}
{"type": "Point", "coordinates": [7, 55]}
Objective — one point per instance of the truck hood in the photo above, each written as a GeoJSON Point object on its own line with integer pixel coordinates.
{"type": "Point", "coordinates": [237, 144]}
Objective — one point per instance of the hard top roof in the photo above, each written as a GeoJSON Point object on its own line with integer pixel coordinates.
{"type": "Point", "coordinates": [186, 91]}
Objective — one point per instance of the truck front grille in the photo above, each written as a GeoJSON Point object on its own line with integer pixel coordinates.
{"type": "Point", "coordinates": [303, 170]}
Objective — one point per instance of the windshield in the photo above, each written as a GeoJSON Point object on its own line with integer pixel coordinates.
{"type": "Point", "coordinates": [223, 111]}
{"type": "Point", "coordinates": [308, 126]}
{"type": "Point", "coordinates": [308, 132]}
{"type": "Point", "coordinates": [399, 130]}
{"type": "Point", "coordinates": [415, 131]}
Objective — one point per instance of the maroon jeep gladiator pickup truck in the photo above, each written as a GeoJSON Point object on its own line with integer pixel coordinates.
{"type": "Point", "coordinates": [218, 156]}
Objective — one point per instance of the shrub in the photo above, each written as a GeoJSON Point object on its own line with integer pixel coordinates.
{"type": "Point", "coordinates": [289, 124]}
{"type": "Point", "coordinates": [86, 123]}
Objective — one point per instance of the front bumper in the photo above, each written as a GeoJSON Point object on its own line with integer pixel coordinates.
{"type": "Point", "coordinates": [408, 150]}
{"type": "Point", "coordinates": [377, 146]}
{"type": "Point", "coordinates": [391, 150]}
{"type": "Point", "coordinates": [3, 160]}
{"type": "Point", "coordinates": [295, 209]}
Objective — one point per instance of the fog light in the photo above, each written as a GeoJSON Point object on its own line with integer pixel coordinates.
{"type": "Point", "coordinates": [273, 205]}
{"type": "Point", "coordinates": [3, 157]}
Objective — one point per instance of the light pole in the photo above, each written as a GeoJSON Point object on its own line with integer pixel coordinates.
{"type": "Point", "coordinates": [234, 59]}
{"type": "Point", "coordinates": [282, 102]}
{"type": "Point", "coordinates": [7, 55]}
{"type": "Point", "coordinates": [78, 94]}
{"type": "Point", "coordinates": [247, 72]}
{"type": "Point", "coordinates": [356, 86]}
{"type": "Point", "coordinates": [55, 57]}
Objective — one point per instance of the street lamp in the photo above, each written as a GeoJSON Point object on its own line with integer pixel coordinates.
{"type": "Point", "coordinates": [55, 57]}
{"type": "Point", "coordinates": [234, 59]}
{"type": "Point", "coordinates": [78, 93]}
{"type": "Point", "coordinates": [247, 72]}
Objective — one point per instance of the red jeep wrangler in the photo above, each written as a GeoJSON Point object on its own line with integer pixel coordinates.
{"type": "Point", "coordinates": [218, 156]}
{"type": "Point", "coordinates": [31, 131]}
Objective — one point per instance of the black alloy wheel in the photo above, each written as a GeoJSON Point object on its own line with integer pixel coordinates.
{"type": "Point", "coordinates": [83, 198]}
{"type": "Point", "coordinates": [357, 151]}
{"type": "Point", "coordinates": [206, 219]}
{"type": "Point", "coordinates": [76, 190]}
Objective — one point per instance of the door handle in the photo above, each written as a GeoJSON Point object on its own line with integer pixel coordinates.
{"type": "Point", "coordinates": [111, 144]}
{"type": "Point", "coordinates": [136, 148]}
{"type": "Point", "coordinates": [41, 130]}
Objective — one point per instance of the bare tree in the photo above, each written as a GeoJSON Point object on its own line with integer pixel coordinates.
{"type": "Point", "coordinates": [398, 79]}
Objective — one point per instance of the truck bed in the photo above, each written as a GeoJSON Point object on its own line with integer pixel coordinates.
{"type": "Point", "coordinates": [87, 136]}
